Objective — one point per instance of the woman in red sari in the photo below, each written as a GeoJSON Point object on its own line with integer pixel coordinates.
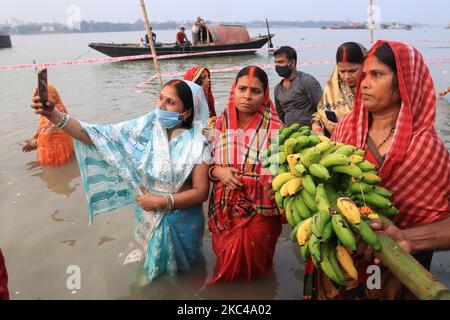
{"type": "Point", "coordinates": [4, 295]}
{"type": "Point", "coordinates": [202, 77]}
{"type": "Point", "coordinates": [393, 119]}
{"type": "Point", "coordinates": [244, 220]}
{"type": "Point", "coordinates": [54, 147]}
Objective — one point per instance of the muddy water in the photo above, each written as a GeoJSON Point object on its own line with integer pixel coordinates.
{"type": "Point", "coordinates": [43, 214]}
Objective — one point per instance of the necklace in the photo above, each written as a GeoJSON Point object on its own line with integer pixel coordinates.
{"type": "Point", "coordinates": [387, 138]}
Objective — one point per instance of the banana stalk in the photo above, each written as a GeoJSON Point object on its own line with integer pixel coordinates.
{"type": "Point", "coordinates": [409, 271]}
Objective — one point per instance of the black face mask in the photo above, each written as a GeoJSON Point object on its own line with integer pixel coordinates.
{"type": "Point", "coordinates": [283, 71]}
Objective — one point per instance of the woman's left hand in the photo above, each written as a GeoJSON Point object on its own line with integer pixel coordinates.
{"type": "Point", "coordinates": [329, 125]}
{"type": "Point", "coordinates": [150, 201]}
{"type": "Point", "coordinates": [30, 145]}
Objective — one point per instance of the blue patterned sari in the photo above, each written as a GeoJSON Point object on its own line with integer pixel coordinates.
{"type": "Point", "coordinates": [137, 152]}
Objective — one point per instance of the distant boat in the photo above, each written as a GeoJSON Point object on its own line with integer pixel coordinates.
{"type": "Point", "coordinates": [448, 26]}
{"type": "Point", "coordinates": [349, 25]}
{"type": "Point", "coordinates": [5, 40]}
{"type": "Point", "coordinates": [396, 26]}
{"type": "Point", "coordinates": [217, 37]}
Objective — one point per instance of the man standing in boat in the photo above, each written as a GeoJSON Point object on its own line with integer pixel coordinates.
{"type": "Point", "coordinates": [297, 95]}
{"type": "Point", "coordinates": [196, 28]}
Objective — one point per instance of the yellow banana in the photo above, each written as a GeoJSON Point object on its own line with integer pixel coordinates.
{"type": "Point", "coordinates": [284, 190]}
{"type": "Point", "coordinates": [281, 179]}
{"type": "Point", "coordinates": [349, 209]}
{"type": "Point", "coordinates": [346, 261]}
{"type": "Point", "coordinates": [292, 161]}
{"type": "Point", "coordinates": [293, 186]}
{"type": "Point", "coordinates": [304, 231]}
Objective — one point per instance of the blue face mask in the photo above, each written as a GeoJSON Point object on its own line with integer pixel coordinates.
{"type": "Point", "coordinates": [168, 119]}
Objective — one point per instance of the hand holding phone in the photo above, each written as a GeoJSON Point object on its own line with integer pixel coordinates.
{"type": "Point", "coordinates": [331, 116]}
{"type": "Point", "coordinates": [43, 87]}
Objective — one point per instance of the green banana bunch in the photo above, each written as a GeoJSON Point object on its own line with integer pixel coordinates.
{"type": "Point", "coordinates": [315, 250]}
{"type": "Point", "coordinates": [330, 266]}
{"type": "Point", "coordinates": [334, 159]}
{"type": "Point", "coordinates": [318, 223]}
{"type": "Point", "coordinates": [301, 207]}
{"type": "Point", "coordinates": [309, 200]}
{"type": "Point", "coordinates": [374, 199]}
{"type": "Point", "coordinates": [289, 213]}
{"type": "Point", "coordinates": [366, 166]}
{"type": "Point", "coordinates": [350, 169]}
{"type": "Point", "coordinates": [319, 171]}
{"type": "Point", "coordinates": [322, 202]}
{"type": "Point", "coordinates": [343, 231]}
{"type": "Point", "coordinates": [346, 150]}
{"type": "Point", "coordinates": [309, 157]}
{"type": "Point", "coordinates": [308, 184]}
{"type": "Point", "coordinates": [368, 235]}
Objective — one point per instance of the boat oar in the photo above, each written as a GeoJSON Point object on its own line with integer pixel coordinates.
{"type": "Point", "coordinates": [269, 37]}
{"type": "Point", "coordinates": [409, 271]}
{"type": "Point", "coordinates": [152, 45]}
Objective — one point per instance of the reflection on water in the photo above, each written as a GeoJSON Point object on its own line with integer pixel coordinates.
{"type": "Point", "coordinates": [57, 178]}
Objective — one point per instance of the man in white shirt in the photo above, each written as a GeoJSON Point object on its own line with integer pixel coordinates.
{"type": "Point", "coordinates": [196, 27]}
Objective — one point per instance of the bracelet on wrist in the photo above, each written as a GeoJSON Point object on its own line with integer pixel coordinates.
{"type": "Point", "coordinates": [211, 178]}
{"type": "Point", "coordinates": [170, 202]}
{"type": "Point", "coordinates": [62, 122]}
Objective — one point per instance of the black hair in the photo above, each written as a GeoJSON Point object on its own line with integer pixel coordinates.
{"type": "Point", "coordinates": [289, 52]}
{"type": "Point", "coordinates": [259, 73]}
{"type": "Point", "coordinates": [185, 94]}
{"type": "Point", "coordinates": [350, 52]}
{"type": "Point", "coordinates": [386, 56]}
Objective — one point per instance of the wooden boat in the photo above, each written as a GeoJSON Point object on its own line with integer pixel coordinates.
{"type": "Point", "coordinates": [214, 37]}
{"type": "Point", "coordinates": [5, 40]}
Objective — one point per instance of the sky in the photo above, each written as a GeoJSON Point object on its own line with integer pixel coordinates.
{"type": "Point", "coordinates": [434, 12]}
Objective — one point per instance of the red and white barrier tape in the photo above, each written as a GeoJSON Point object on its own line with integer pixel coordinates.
{"type": "Point", "coordinates": [269, 66]}
{"type": "Point", "coordinates": [144, 56]}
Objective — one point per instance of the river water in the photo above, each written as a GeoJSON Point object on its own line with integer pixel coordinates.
{"type": "Point", "coordinates": [43, 212]}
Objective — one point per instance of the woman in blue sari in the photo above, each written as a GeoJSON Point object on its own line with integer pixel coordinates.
{"type": "Point", "coordinates": [159, 162]}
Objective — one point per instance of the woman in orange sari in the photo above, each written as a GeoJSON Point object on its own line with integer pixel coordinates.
{"type": "Point", "coordinates": [243, 218]}
{"type": "Point", "coordinates": [54, 147]}
{"type": "Point", "coordinates": [202, 77]}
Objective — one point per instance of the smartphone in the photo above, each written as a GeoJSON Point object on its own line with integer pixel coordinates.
{"type": "Point", "coordinates": [43, 86]}
{"type": "Point", "coordinates": [331, 115]}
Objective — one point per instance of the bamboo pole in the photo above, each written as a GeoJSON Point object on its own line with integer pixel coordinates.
{"type": "Point", "coordinates": [371, 23]}
{"type": "Point", "coordinates": [150, 40]}
{"type": "Point", "coordinates": [409, 271]}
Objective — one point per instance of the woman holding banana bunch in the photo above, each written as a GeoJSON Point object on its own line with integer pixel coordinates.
{"type": "Point", "coordinates": [393, 120]}
{"type": "Point", "coordinates": [244, 220]}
